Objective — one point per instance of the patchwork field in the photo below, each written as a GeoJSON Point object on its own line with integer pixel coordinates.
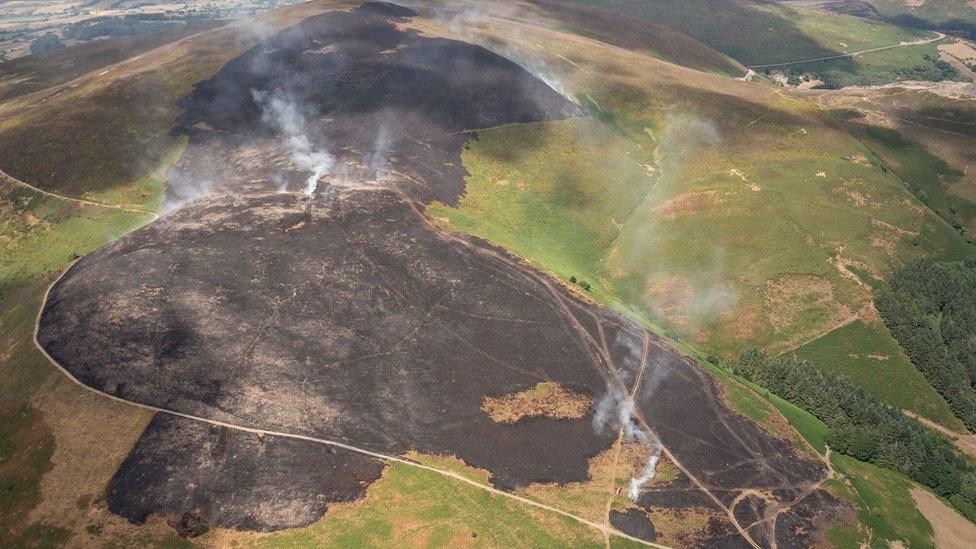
{"type": "Point", "coordinates": [41, 71]}
{"type": "Point", "coordinates": [916, 62]}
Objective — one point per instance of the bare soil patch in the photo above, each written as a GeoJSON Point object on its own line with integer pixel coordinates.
{"type": "Point", "coordinates": [788, 296]}
{"type": "Point", "coordinates": [687, 204]}
{"type": "Point", "coordinates": [950, 528]}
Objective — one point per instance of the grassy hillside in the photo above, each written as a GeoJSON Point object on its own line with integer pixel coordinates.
{"type": "Point", "coordinates": [734, 216]}
{"type": "Point", "coordinates": [640, 35]}
{"type": "Point", "coordinates": [927, 140]}
{"type": "Point", "coordinates": [39, 234]}
{"type": "Point", "coordinates": [755, 32]}
{"type": "Point", "coordinates": [868, 355]}
{"type": "Point", "coordinates": [727, 213]}
{"type": "Point", "coordinates": [40, 71]}
{"type": "Point", "coordinates": [930, 14]}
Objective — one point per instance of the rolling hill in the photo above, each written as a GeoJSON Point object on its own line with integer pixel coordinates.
{"type": "Point", "coordinates": [487, 265]}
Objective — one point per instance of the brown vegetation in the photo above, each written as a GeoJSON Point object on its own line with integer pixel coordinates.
{"type": "Point", "coordinates": [546, 399]}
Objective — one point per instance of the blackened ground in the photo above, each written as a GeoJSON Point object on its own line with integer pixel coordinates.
{"type": "Point", "coordinates": [350, 320]}
{"type": "Point", "coordinates": [728, 451]}
{"type": "Point", "coordinates": [804, 522]}
{"type": "Point", "coordinates": [680, 498]}
{"type": "Point", "coordinates": [348, 317]}
{"type": "Point", "coordinates": [203, 475]}
{"type": "Point", "coordinates": [634, 522]}
{"type": "Point", "coordinates": [377, 97]}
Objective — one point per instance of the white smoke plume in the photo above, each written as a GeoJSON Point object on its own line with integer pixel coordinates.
{"type": "Point", "coordinates": [281, 112]}
{"type": "Point", "coordinates": [637, 484]}
{"type": "Point", "coordinates": [482, 27]}
{"type": "Point", "coordinates": [379, 159]}
{"type": "Point", "coordinates": [183, 189]}
{"type": "Point", "coordinates": [616, 410]}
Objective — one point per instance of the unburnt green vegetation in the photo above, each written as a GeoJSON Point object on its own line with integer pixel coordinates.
{"type": "Point", "coordinates": [25, 451]}
{"type": "Point", "coordinates": [867, 354]}
{"type": "Point", "coordinates": [919, 62]}
{"type": "Point", "coordinates": [925, 139]}
{"type": "Point", "coordinates": [39, 233]}
{"type": "Point", "coordinates": [885, 506]}
{"type": "Point", "coordinates": [885, 510]}
{"type": "Point", "coordinates": [642, 36]}
{"type": "Point", "coordinates": [865, 428]}
{"type": "Point", "coordinates": [930, 14]}
{"type": "Point", "coordinates": [40, 71]}
{"type": "Point", "coordinates": [926, 175]}
{"type": "Point", "coordinates": [128, 25]}
{"type": "Point", "coordinates": [724, 245]}
{"type": "Point", "coordinates": [727, 214]}
{"type": "Point", "coordinates": [755, 32]}
{"type": "Point", "coordinates": [46, 43]}
{"type": "Point", "coordinates": [930, 308]}
{"type": "Point", "coordinates": [411, 507]}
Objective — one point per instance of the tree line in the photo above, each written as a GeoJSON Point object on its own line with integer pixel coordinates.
{"type": "Point", "coordinates": [930, 309]}
{"type": "Point", "coordinates": [865, 428]}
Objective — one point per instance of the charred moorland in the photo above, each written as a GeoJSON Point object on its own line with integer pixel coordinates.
{"type": "Point", "coordinates": [379, 96]}
{"type": "Point", "coordinates": [349, 318]}
{"type": "Point", "coordinates": [346, 316]}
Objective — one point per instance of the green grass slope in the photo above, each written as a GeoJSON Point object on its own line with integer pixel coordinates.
{"type": "Point", "coordinates": [930, 14]}
{"type": "Point", "coordinates": [868, 355]}
{"type": "Point", "coordinates": [640, 35]}
{"type": "Point", "coordinates": [37, 72]}
{"type": "Point", "coordinates": [727, 213]}
{"type": "Point", "coordinates": [928, 142]}
{"type": "Point", "coordinates": [756, 32]}
{"type": "Point", "coordinates": [732, 245]}
{"type": "Point", "coordinates": [39, 233]}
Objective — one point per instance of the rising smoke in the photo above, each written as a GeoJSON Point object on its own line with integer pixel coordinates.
{"type": "Point", "coordinates": [484, 27]}
{"type": "Point", "coordinates": [616, 410]}
{"type": "Point", "coordinates": [283, 113]}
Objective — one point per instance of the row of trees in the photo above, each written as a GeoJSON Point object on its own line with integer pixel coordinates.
{"type": "Point", "coordinates": [931, 69]}
{"type": "Point", "coordinates": [864, 427]}
{"type": "Point", "coordinates": [930, 308]}
{"type": "Point", "coordinates": [127, 25]}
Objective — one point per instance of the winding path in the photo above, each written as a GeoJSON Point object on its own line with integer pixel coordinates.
{"type": "Point", "coordinates": [4, 176]}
